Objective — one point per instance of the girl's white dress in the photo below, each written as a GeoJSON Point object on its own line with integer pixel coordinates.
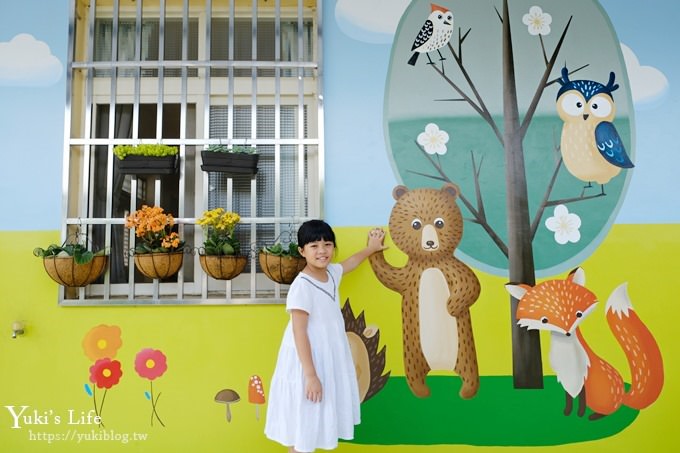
{"type": "Point", "coordinates": [293, 420]}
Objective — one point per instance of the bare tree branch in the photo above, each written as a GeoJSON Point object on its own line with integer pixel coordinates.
{"type": "Point", "coordinates": [478, 191]}
{"type": "Point", "coordinates": [542, 84]}
{"type": "Point", "coordinates": [570, 73]}
{"type": "Point", "coordinates": [544, 202]}
{"type": "Point", "coordinates": [450, 100]}
{"type": "Point", "coordinates": [479, 106]}
{"type": "Point", "coordinates": [574, 199]}
{"type": "Point", "coordinates": [545, 56]}
{"type": "Point", "coordinates": [460, 43]}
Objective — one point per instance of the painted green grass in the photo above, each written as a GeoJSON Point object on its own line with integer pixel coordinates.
{"type": "Point", "coordinates": [498, 416]}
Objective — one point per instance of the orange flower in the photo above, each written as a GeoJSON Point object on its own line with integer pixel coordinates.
{"type": "Point", "coordinates": [102, 341]}
{"type": "Point", "coordinates": [154, 227]}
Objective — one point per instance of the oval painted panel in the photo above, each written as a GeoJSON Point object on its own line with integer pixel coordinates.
{"type": "Point", "coordinates": [446, 113]}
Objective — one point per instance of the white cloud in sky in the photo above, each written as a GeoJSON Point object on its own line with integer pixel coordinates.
{"type": "Point", "coordinates": [648, 85]}
{"type": "Point", "coordinates": [371, 21]}
{"type": "Point", "coordinates": [25, 61]}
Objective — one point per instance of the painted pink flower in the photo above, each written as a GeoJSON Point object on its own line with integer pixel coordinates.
{"type": "Point", "coordinates": [150, 363]}
{"type": "Point", "coordinates": [105, 373]}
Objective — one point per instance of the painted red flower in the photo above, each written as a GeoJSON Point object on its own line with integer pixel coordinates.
{"type": "Point", "coordinates": [150, 363]}
{"type": "Point", "coordinates": [105, 373]}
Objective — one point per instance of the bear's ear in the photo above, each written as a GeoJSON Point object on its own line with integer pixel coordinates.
{"type": "Point", "coordinates": [399, 192]}
{"type": "Point", "coordinates": [451, 189]}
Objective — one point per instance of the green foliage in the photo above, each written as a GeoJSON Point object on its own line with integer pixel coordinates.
{"type": "Point", "coordinates": [279, 250]}
{"type": "Point", "coordinates": [221, 245]}
{"type": "Point", "coordinates": [219, 226]}
{"type": "Point", "coordinates": [144, 247]}
{"type": "Point", "coordinates": [147, 149]}
{"type": "Point", "coordinates": [79, 252]}
{"type": "Point", "coordinates": [237, 149]}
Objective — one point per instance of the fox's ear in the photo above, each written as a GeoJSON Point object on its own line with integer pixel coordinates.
{"type": "Point", "coordinates": [517, 290]}
{"type": "Point", "coordinates": [577, 276]}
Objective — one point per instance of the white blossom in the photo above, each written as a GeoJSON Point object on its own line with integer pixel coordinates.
{"type": "Point", "coordinates": [537, 21]}
{"type": "Point", "coordinates": [565, 225]}
{"type": "Point", "coordinates": [433, 140]}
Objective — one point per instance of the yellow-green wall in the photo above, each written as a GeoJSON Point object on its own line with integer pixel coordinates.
{"type": "Point", "coordinates": [210, 348]}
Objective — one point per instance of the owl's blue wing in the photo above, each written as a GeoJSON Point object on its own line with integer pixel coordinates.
{"type": "Point", "coordinates": [610, 146]}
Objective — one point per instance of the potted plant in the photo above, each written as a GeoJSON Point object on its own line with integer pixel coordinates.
{"type": "Point", "coordinates": [220, 256]}
{"type": "Point", "coordinates": [281, 264]}
{"type": "Point", "coordinates": [146, 159]}
{"type": "Point", "coordinates": [159, 250]}
{"type": "Point", "coordinates": [72, 264]}
{"type": "Point", "coordinates": [235, 161]}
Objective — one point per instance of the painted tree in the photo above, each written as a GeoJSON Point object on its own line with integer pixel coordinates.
{"type": "Point", "coordinates": [497, 108]}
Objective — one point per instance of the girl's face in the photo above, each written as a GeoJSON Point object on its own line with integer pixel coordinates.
{"type": "Point", "coordinates": [318, 253]}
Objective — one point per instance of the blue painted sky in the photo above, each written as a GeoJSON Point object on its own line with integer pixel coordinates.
{"type": "Point", "coordinates": [359, 179]}
{"type": "Point", "coordinates": [32, 112]}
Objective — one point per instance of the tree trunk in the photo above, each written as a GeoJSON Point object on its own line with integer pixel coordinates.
{"type": "Point", "coordinates": [526, 347]}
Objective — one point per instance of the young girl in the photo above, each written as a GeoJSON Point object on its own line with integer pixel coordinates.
{"type": "Point", "coordinates": [313, 395]}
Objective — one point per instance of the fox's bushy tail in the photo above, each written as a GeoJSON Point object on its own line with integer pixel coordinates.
{"type": "Point", "coordinates": [642, 351]}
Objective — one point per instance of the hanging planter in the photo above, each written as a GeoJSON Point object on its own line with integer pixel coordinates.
{"type": "Point", "coordinates": [220, 256]}
{"type": "Point", "coordinates": [236, 161]}
{"type": "Point", "coordinates": [281, 265]}
{"type": "Point", "coordinates": [160, 265]}
{"type": "Point", "coordinates": [222, 267]}
{"type": "Point", "coordinates": [146, 159]}
{"type": "Point", "coordinates": [72, 264]}
{"type": "Point", "coordinates": [65, 271]}
{"type": "Point", "coordinates": [160, 251]}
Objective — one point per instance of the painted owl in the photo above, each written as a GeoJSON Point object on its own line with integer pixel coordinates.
{"type": "Point", "coordinates": [591, 147]}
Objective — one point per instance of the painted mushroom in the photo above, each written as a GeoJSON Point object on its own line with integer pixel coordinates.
{"type": "Point", "coordinates": [227, 396]}
{"type": "Point", "coordinates": [256, 393]}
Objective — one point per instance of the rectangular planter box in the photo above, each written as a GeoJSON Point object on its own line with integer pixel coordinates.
{"type": "Point", "coordinates": [147, 165]}
{"type": "Point", "coordinates": [237, 164]}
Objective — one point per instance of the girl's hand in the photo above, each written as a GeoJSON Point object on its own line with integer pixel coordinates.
{"type": "Point", "coordinates": [313, 388]}
{"type": "Point", "coordinates": [376, 239]}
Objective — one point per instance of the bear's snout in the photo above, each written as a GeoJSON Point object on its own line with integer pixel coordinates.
{"type": "Point", "coordinates": [429, 240]}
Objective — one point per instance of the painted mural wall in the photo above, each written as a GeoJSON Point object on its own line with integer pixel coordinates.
{"type": "Point", "coordinates": [399, 137]}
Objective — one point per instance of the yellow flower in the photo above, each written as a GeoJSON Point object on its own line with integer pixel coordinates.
{"type": "Point", "coordinates": [219, 219]}
{"type": "Point", "coordinates": [102, 341]}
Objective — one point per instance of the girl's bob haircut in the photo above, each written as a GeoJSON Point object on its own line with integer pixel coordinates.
{"type": "Point", "coordinates": [315, 230]}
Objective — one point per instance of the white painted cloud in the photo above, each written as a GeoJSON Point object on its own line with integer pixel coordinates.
{"type": "Point", "coordinates": [25, 61]}
{"type": "Point", "coordinates": [648, 85]}
{"type": "Point", "coordinates": [371, 21]}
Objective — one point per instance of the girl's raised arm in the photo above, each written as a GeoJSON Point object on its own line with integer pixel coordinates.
{"type": "Point", "coordinates": [376, 238]}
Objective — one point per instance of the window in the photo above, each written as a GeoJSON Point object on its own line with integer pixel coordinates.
{"type": "Point", "coordinates": [189, 74]}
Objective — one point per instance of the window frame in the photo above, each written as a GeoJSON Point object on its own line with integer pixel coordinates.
{"type": "Point", "coordinates": [86, 88]}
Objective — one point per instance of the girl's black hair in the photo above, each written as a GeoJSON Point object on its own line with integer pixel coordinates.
{"type": "Point", "coordinates": [315, 230]}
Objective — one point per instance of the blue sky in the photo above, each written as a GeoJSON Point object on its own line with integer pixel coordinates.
{"type": "Point", "coordinates": [357, 43]}
{"type": "Point", "coordinates": [32, 112]}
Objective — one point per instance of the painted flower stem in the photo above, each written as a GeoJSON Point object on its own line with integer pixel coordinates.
{"type": "Point", "coordinates": [98, 411]}
{"type": "Point", "coordinates": [154, 402]}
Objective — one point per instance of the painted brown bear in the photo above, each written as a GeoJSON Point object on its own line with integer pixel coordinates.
{"type": "Point", "coordinates": [437, 289]}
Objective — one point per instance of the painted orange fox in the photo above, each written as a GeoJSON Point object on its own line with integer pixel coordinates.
{"type": "Point", "coordinates": [560, 306]}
